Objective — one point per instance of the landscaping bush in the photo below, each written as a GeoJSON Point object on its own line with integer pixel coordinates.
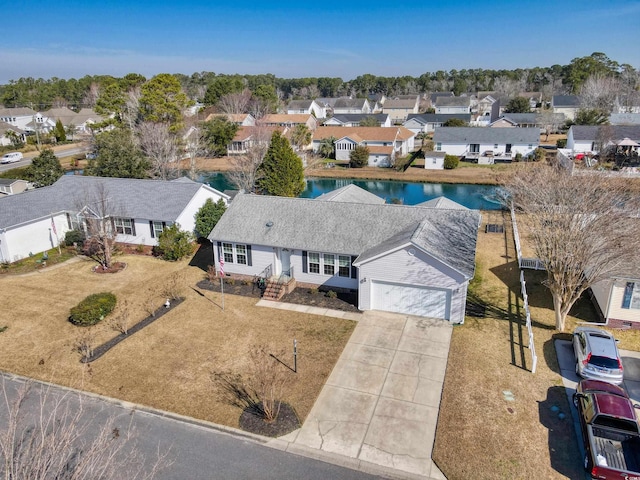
{"type": "Point", "coordinates": [332, 294]}
{"type": "Point", "coordinates": [93, 309]}
{"type": "Point", "coordinates": [359, 157]}
{"type": "Point", "coordinates": [518, 157]}
{"type": "Point", "coordinates": [74, 236]}
{"type": "Point", "coordinates": [561, 143]}
{"type": "Point", "coordinates": [539, 154]}
{"type": "Point", "coordinates": [174, 244]}
{"type": "Point", "coordinates": [451, 162]}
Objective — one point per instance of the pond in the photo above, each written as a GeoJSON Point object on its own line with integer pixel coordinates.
{"type": "Point", "coordinates": [480, 197]}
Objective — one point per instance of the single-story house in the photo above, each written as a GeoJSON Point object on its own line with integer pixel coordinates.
{"type": "Point", "coordinates": [434, 160]}
{"type": "Point", "coordinates": [484, 144]}
{"type": "Point", "coordinates": [37, 220]}
{"type": "Point", "coordinates": [567, 104]}
{"type": "Point", "coordinates": [530, 120]}
{"type": "Point", "coordinates": [384, 144]}
{"type": "Point", "coordinates": [81, 121]}
{"type": "Point", "coordinates": [240, 119]}
{"type": "Point", "coordinates": [428, 122]}
{"type": "Point", "coordinates": [5, 137]}
{"type": "Point", "coordinates": [617, 299]}
{"type": "Point", "coordinates": [289, 120]}
{"type": "Point", "coordinates": [310, 107]}
{"type": "Point", "coordinates": [11, 186]}
{"type": "Point", "coordinates": [453, 105]}
{"type": "Point", "coordinates": [588, 138]}
{"type": "Point", "coordinates": [351, 105]}
{"type": "Point", "coordinates": [352, 194]}
{"type": "Point", "coordinates": [354, 119]}
{"type": "Point", "coordinates": [246, 137]}
{"type": "Point", "coordinates": [433, 97]}
{"type": "Point", "coordinates": [624, 119]}
{"type": "Point", "coordinates": [406, 259]}
{"type": "Point", "coordinates": [400, 106]}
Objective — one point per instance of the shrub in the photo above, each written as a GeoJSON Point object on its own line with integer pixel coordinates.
{"type": "Point", "coordinates": [313, 291]}
{"type": "Point", "coordinates": [93, 309]}
{"type": "Point", "coordinates": [174, 244]}
{"type": "Point", "coordinates": [451, 162]}
{"type": "Point", "coordinates": [74, 236]}
{"type": "Point", "coordinates": [332, 294]}
{"type": "Point", "coordinates": [359, 157]}
{"type": "Point", "coordinates": [539, 154]}
{"type": "Point", "coordinates": [561, 143]}
{"type": "Point", "coordinates": [518, 157]}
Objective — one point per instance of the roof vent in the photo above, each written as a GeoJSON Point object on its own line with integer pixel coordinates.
{"type": "Point", "coordinates": [269, 223]}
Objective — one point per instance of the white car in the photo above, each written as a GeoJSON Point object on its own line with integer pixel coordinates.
{"type": "Point", "coordinates": [597, 356]}
{"type": "Point", "coordinates": [11, 157]}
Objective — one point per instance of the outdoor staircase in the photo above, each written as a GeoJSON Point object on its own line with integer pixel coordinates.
{"type": "Point", "coordinates": [274, 291]}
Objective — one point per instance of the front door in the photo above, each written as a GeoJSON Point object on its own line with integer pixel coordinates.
{"type": "Point", "coordinates": [508, 149]}
{"type": "Point", "coordinates": [285, 260]}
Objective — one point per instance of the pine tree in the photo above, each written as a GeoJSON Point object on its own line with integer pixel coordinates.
{"type": "Point", "coordinates": [45, 169]}
{"type": "Point", "coordinates": [281, 172]}
{"type": "Point", "coordinates": [208, 216]}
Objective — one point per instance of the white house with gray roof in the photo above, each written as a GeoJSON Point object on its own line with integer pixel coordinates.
{"type": "Point", "coordinates": [485, 144]}
{"type": "Point", "coordinates": [589, 138]}
{"type": "Point", "coordinates": [407, 259]}
{"type": "Point", "coordinates": [37, 220]}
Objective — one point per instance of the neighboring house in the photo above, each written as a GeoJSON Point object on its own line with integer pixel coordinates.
{"type": "Point", "coordinates": [384, 144]}
{"type": "Point", "coordinates": [567, 104]}
{"type": "Point", "coordinates": [406, 259]}
{"type": "Point", "coordinates": [289, 120]}
{"type": "Point", "coordinates": [37, 220]}
{"type": "Point", "coordinates": [11, 186]}
{"type": "Point", "coordinates": [351, 105]}
{"type": "Point", "coordinates": [240, 119]}
{"type": "Point", "coordinates": [27, 120]}
{"type": "Point", "coordinates": [486, 145]}
{"type": "Point", "coordinates": [399, 107]}
{"type": "Point", "coordinates": [433, 97]}
{"type": "Point", "coordinates": [484, 104]}
{"type": "Point", "coordinates": [535, 98]}
{"type": "Point", "coordinates": [434, 160]}
{"type": "Point", "coordinates": [80, 121]}
{"type": "Point", "coordinates": [428, 122]}
{"type": "Point", "coordinates": [453, 105]}
{"type": "Point", "coordinates": [351, 194]}
{"type": "Point", "coordinates": [246, 137]}
{"type": "Point", "coordinates": [5, 140]}
{"type": "Point", "coordinates": [589, 138]}
{"type": "Point", "coordinates": [531, 120]}
{"type": "Point", "coordinates": [624, 119]}
{"type": "Point", "coordinates": [618, 299]}
{"type": "Point", "coordinates": [354, 119]}
{"type": "Point", "coordinates": [310, 107]}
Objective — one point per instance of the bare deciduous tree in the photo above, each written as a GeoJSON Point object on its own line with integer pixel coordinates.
{"type": "Point", "coordinates": [194, 148]}
{"type": "Point", "coordinates": [267, 379]}
{"type": "Point", "coordinates": [97, 210]}
{"type": "Point", "coordinates": [161, 146]}
{"type": "Point", "coordinates": [119, 321]}
{"type": "Point", "coordinates": [84, 342]}
{"type": "Point", "coordinates": [173, 287]}
{"type": "Point", "coordinates": [47, 435]}
{"type": "Point", "coordinates": [235, 103]}
{"type": "Point", "coordinates": [244, 168]}
{"type": "Point", "coordinates": [131, 109]}
{"type": "Point", "coordinates": [582, 227]}
{"type": "Point", "coordinates": [91, 96]}
{"type": "Point", "coordinates": [599, 93]}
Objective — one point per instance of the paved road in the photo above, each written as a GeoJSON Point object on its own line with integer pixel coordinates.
{"type": "Point", "coordinates": [197, 451]}
{"type": "Point", "coordinates": [60, 153]}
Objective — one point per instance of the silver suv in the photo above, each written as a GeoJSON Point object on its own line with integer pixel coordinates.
{"type": "Point", "coordinates": [597, 356]}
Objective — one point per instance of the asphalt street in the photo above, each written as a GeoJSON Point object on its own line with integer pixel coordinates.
{"type": "Point", "coordinates": [67, 152]}
{"type": "Point", "coordinates": [194, 451]}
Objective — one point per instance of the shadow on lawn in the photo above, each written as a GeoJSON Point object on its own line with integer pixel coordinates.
{"type": "Point", "coordinates": [555, 414]}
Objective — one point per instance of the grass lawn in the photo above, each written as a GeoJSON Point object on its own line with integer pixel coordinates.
{"type": "Point", "coordinates": [169, 364]}
{"type": "Point", "coordinates": [481, 434]}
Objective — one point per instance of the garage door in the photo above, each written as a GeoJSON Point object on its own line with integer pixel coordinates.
{"type": "Point", "coordinates": [409, 299]}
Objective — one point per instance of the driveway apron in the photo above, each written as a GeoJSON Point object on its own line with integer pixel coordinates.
{"type": "Point", "coordinates": [380, 403]}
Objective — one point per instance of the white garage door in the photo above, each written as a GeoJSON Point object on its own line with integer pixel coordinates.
{"type": "Point", "coordinates": [409, 299]}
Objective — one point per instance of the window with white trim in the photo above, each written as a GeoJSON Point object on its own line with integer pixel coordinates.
{"type": "Point", "coordinates": [344, 266]}
{"type": "Point", "coordinates": [124, 226]}
{"type": "Point", "coordinates": [235, 253]}
{"type": "Point", "coordinates": [329, 264]}
{"type": "Point", "coordinates": [241, 254]}
{"type": "Point", "coordinates": [314, 262]}
{"type": "Point", "coordinates": [158, 227]}
{"type": "Point", "coordinates": [227, 252]}
{"type": "Point", "coordinates": [438, 147]}
{"type": "Point", "coordinates": [631, 297]}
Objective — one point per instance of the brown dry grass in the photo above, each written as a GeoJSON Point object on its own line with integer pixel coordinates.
{"type": "Point", "coordinates": [167, 365]}
{"type": "Point", "coordinates": [477, 436]}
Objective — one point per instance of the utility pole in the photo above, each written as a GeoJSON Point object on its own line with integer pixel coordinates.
{"type": "Point", "coordinates": [35, 125]}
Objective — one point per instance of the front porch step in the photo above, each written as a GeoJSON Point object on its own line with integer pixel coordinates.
{"type": "Point", "coordinates": [274, 291]}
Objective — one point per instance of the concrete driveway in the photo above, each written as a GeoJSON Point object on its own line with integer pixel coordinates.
{"type": "Point", "coordinates": [380, 403]}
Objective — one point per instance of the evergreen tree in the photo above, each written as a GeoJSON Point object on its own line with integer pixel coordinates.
{"type": "Point", "coordinates": [45, 169]}
{"type": "Point", "coordinates": [59, 133]}
{"type": "Point", "coordinates": [518, 105]}
{"type": "Point", "coordinates": [117, 156]}
{"type": "Point", "coordinates": [208, 215]}
{"type": "Point", "coordinates": [281, 172]}
{"type": "Point", "coordinates": [217, 134]}
{"type": "Point", "coordinates": [359, 157]}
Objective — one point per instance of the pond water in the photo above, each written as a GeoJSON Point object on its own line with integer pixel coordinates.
{"type": "Point", "coordinates": [480, 197]}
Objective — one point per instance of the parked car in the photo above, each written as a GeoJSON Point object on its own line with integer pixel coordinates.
{"type": "Point", "coordinates": [610, 430]}
{"type": "Point", "coordinates": [11, 157]}
{"type": "Point", "coordinates": [597, 355]}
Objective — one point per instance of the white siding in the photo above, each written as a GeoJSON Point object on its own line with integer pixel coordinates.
{"type": "Point", "coordinates": [34, 237]}
{"type": "Point", "coordinates": [417, 269]}
{"type": "Point", "coordinates": [379, 160]}
{"type": "Point", "coordinates": [187, 218]}
{"type": "Point", "coordinates": [602, 294]}
{"type": "Point", "coordinates": [433, 162]}
{"type": "Point", "coordinates": [615, 304]}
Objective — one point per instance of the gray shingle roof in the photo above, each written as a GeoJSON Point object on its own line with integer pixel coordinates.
{"type": "Point", "coordinates": [453, 101]}
{"type": "Point", "coordinates": [624, 119]}
{"type": "Point", "coordinates": [299, 104]}
{"type": "Point", "coordinates": [565, 101]}
{"type": "Point", "coordinates": [425, 118]}
{"type": "Point", "coordinates": [358, 117]}
{"type": "Point", "coordinates": [464, 135]}
{"type": "Point", "coordinates": [442, 202]}
{"type": "Point", "coordinates": [618, 132]}
{"type": "Point", "coordinates": [348, 228]}
{"type": "Point", "coordinates": [353, 194]}
{"type": "Point", "coordinates": [147, 199]}
{"type": "Point", "coordinates": [346, 102]}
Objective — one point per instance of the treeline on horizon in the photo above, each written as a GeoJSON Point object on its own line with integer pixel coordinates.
{"type": "Point", "coordinates": [208, 87]}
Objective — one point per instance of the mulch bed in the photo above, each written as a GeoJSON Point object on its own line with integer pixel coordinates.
{"type": "Point", "coordinates": [237, 288]}
{"type": "Point", "coordinates": [115, 268]}
{"type": "Point", "coordinates": [252, 421]}
{"type": "Point", "coordinates": [344, 301]}
{"type": "Point", "coordinates": [105, 347]}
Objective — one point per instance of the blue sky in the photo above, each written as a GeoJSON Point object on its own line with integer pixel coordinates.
{"type": "Point", "coordinates": [303, 38]}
